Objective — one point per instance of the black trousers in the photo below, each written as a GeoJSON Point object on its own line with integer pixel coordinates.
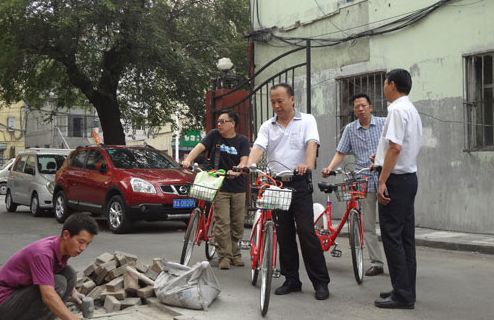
{"type": "Point", "coordinates": [397, 222]}
{"type": "Point", "coordinates": [300, 213]}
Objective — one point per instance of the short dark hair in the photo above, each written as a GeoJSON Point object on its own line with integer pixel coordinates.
{"type": "Point", "coordinates": [77, 222]}
{"type": "Point", "coordinates": [231, 114]}
{"type": "Point", "coordinates": [402, 80]}
{"type": "Point", "coordinates": [360, 95]}
{"type": "Point", "coordinates": [288, 88]}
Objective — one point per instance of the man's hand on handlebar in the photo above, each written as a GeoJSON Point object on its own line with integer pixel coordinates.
{"type": "Point", "coordinates": [186, 164]}
{"type": "Point", "coordinates": [302, 168]}
{"type": "Point", "coordinates": [328, 171]}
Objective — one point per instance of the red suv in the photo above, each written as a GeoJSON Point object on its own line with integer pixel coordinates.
{"type": "Point", "coordinates": [125, 184]}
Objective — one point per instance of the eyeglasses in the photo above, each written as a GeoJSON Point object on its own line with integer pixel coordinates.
{"type": "Point", "coordinates": [221, 121]}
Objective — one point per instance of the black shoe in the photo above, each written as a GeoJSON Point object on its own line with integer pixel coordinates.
{"type": "Point", "coordinates": [385, 294]}
{"type": "Point", "coordinates": [374, 271]}
{"type": "Point", "coordinates": [287, 288]}
{"type": "Point", "coordinates": [389, 303]}
{"type": "Point", "coordinates": [322, 292]}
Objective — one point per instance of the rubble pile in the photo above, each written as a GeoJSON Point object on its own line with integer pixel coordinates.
{"type": "Point", "coordinates": [117, 281]}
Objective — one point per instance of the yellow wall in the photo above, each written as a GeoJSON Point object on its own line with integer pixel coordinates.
{"type": "Point", "coordinates": [13, 140]}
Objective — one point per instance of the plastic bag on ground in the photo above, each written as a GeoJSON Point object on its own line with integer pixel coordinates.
{"type": "Point", "coordinates": [190, 287]}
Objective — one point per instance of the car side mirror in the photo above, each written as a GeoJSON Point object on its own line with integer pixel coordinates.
{"type": "Point", "coordinates": [29, 171]}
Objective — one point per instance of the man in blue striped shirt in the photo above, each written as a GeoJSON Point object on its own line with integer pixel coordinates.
{"type": "Point", "coordinates": [362, 136]}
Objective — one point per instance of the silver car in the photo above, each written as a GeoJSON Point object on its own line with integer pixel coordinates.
{"type": "Point", "coordinates": [31, 179]}
{"type": "Point", "coordinates": [4, 175]}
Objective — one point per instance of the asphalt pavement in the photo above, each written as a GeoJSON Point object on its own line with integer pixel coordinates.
{"type": "Point", "coordinates": [238, 297]}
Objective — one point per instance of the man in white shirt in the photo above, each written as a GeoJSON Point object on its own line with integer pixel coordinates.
{"type": "Point", "coordinates": [395, 159]}
{"type": "Point", "coordinates": [290, 140]}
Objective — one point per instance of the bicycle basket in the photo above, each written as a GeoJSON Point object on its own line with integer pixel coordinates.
{"type": "Point", "coordinates": [352, 190]}
{"type": "Point", "coordinates": [274, 198]}
{"type": "Point", "coordinates": [202, 193]}
{"type": "Point", "coordinates": [205, 186]}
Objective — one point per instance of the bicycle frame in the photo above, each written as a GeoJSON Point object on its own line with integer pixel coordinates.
{"type": "Point", "coordinates": [329, 234]}
{"type": "Point", "coordinates": [202, 229]}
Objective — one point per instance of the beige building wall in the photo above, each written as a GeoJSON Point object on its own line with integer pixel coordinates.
{"type": "Point", "coordinates": [12, 130]}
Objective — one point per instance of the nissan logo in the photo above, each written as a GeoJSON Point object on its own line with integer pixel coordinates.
{"type": "Point", "coordinates": [182, 189]}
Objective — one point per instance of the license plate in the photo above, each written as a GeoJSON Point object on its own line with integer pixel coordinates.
{"type": "Point", "coordinates": [184, 203]}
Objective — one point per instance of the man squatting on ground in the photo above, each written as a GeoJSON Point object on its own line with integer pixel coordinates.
{"type": "Point", "coordinates": [362, 136]}
{"type": "Point", "coordinates": [229, 204]}
{"type": "Point", "coordinates": [396, 160]}
{"type": "Point", "coordinates": [36, 281]}
{"type": "Point", "coordinates": [290, 140]}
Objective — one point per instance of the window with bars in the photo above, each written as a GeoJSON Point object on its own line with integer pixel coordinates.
{"type": "Point", "coordinates": [478, 101]}
{"type": "Point", "coordinates": [370, 84]}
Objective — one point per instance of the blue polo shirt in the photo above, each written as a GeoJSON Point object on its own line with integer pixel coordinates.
{"type": "Point", "coordinates": [363, 142]}
{"type": "Point", "coordinates": [285, 147]}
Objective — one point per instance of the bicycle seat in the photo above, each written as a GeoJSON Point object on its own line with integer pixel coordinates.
{"type": "Point", "coordinates": [326, 187]}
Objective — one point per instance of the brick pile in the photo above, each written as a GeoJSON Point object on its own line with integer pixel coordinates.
{"type": "Point", "coordinates": [117, 281]}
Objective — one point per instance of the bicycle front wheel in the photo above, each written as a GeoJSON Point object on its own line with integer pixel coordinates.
{"type": "Point", "coordinates": [356, 244]}
{"type": "Point", "coordinates": [210, 244]}
{"type": "Point", "coordinates": [254, 254]}
{"type": "Point", "coordinates": [267, 266]}
{"type": "Point", "coordinates": [190, 236]}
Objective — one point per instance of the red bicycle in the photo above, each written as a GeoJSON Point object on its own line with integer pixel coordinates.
{"type": "Point", "coordinates": [201, 222]}
{"type": "Point", "coordinates": [262, 243]}
{"type": "Point", "coordinates": [351, 190]}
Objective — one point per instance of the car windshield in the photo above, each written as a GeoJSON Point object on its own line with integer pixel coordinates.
{"type": "Point", "coordinates": [6, 165]}
{"type": "Point", "coordinates": [50, 163]}
{"type": "Point", "coordinates": [137, 158]}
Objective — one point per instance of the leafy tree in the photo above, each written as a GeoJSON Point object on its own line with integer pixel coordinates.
{"type": "Point", "coordinates": [130, 59]}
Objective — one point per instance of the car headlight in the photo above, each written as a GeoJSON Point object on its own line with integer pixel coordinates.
{"type": "Point", "coordinates": [143, 186]}
{"type": "Point", "coordinates": [50, 185]}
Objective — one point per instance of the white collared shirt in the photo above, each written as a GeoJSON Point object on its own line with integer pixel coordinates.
{"type": "Point", "coordinates": [286, 146]}
{"type": "Point", "coordinates": [404, 127]}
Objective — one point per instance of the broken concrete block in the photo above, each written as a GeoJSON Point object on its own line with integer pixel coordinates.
{"type": "Point", "coordinates": [96, 293]}
{"type": "Point", "coordinates": [111, 304]}
{"type": "Point", "coordinates": [157, 265]}
{"type": "Point", "coordinates": [151, 274]}
{"type": "Point", "coordinates": [124, 257]}
{"type": "Point", "coordinates": [102, 258]}
{"type": "Point", "coordinates": [131, 283]}
{"type": "Point", "coordinates": [119, 295]}
{"type": "Point", "coordinates": [146, 292]}
{"type": "Point", "coordinates": [115, 285]}
{"type": "Point", "coordinates": [87, 287]}
{"type": "Point", "coordinates": [90, 269]}
{"type": "Point", "coordinates": [103, 269]}
{"type": "Point", "coordinates": [81, 278]}
{"type": "Point", "coordinates": [130, 302]}
{"type": "Point", "coordinates": [141, 267]}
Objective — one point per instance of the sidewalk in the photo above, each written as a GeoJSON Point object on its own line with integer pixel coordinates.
{"type": "Point", "coordinates": [450, 240]}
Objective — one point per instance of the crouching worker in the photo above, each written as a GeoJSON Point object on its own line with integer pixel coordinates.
{"type": "Point", "coordinates": [36, 281]}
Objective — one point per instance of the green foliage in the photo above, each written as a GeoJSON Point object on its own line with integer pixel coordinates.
{"type": "Point", "coordinates": [147, 56]}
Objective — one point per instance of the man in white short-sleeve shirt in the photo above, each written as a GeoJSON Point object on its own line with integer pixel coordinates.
{"type": "Point", "coordinates": [290, 141]}
{"type": "Point", "coordinates": [395, 159]}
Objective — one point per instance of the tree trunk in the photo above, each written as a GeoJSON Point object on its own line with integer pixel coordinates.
{"type": "Point", "coordinates": [109, 115]}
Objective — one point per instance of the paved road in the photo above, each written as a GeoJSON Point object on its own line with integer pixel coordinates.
{"type": "Point", "coordinates": [450, 284]}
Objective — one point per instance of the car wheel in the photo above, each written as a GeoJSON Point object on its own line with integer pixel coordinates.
{"type": "Point", "coordinates": [3, 188]}
{"type": "Point", "coordinates": [9, 203]}
{"type": "Point", "coordinates": [61, 209]}
{"type": "Point", "coordinates": [35, 209]}
{"type": "Point", "coordinates": [117, 218]}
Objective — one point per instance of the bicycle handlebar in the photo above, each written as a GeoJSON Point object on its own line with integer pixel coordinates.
{"type": "Point", "coordinates": [253, 169]}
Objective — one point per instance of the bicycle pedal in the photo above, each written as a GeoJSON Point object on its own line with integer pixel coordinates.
{"type": "Point", "coordinates": [276, 273]}
{"type": "Point", "coordinates": [336, 253]}
{"type": "Point", "coordinates": [244, 244]}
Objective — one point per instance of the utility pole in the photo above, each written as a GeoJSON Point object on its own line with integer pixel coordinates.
{"type": "Point", "coordinates": [177, 134]}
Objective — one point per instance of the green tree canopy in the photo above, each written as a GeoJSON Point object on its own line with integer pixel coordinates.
{"type": "Point", "coordinates": [130, 59]}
